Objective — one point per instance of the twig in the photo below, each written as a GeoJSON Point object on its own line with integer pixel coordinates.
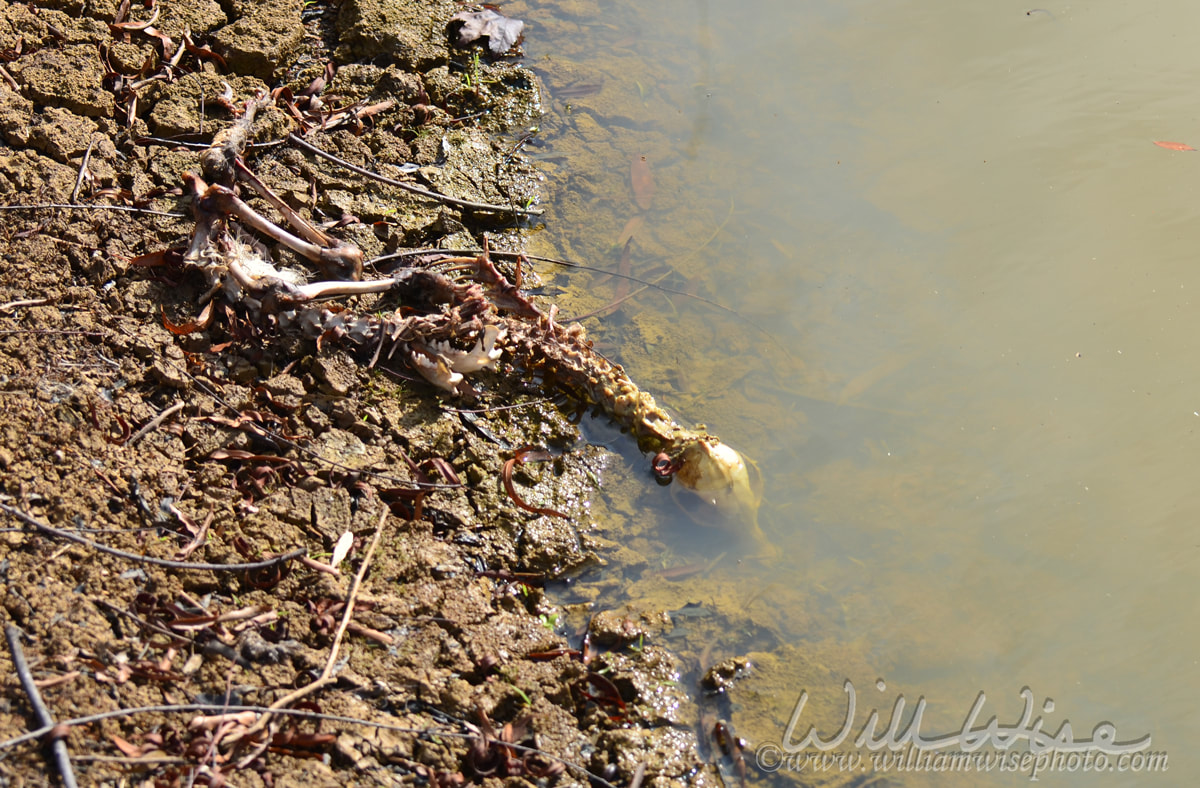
{"type": "Point", "coordinates": [187, 144]}
{"type": "Point", "coordinates": [496, 408]}
{"type": "Point", "coordinates": [27, 302]}
{"type": "Point", "coordinates": [605, 309]}
{"type": "Point", "coordinates": [145, 559]}
{"type": "Point", "coordinates": [326, 678]}
{"type": "Point", "coordinates": [127, 761]}
{"type": "Point", "coordinates": [143, 623]}
{"type": "Point", "coordinates": [12, 83]}
{"type": "Point", "coordinates": [408, 187]}
{"type": "Point", "coordinates": [82, 172]}
{"type": "Point", "coordinates": [71, 207]}
{"type": "Point", "coordinates": [59, 747]}
{"type": "Point", "coordinates": [154, 423]}
{"type": "Point", "coordinates": [210, 708]}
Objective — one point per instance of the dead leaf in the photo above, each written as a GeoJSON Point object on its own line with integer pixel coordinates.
{"type": "Point", "coordinates": [341, 549]}
{"type": "Point", "coordinates": [631, 228]}
{"type": "Point", "coordinates": [1174, 145]}
{"type": "Point", "coordinates": [129, 750]}
{"type": "Point", "coordinates": [643, 182]}
{"type": "Point", "coordinates": [202, 321]}
{"type": "Point", "coordinates": [467, 27]}
{"type": "Point", "coordinates": [527, 454]}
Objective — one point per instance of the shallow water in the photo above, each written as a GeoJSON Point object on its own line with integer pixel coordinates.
{"type": "Point", "coordinates": [963, 349]}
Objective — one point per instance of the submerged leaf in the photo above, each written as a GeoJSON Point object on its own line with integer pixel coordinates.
{"type": "Point", "coordinates": [467, 27]}
{"type": "Point", "coordinates": [643, 182]}
{"type": "Point", "coordinates": [1174, 145]}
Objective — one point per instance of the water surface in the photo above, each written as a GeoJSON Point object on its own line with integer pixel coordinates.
{"type": "Point", "coordinates": [964, 348]}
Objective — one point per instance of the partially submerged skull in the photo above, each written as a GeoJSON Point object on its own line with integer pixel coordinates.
{"type": "Point", "coordinates": [724, 480]}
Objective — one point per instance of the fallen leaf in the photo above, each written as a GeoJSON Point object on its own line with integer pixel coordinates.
{"type": "Point", "coordinates": [643, 182]}
{"type": "Point", "coordinates": [631, 228]}
{"type": "Point", "coordinates": [202, 321]}
{"type": "Point", "coordinates": [1174, 145]}
{"type": "Point", "coordinates": [341, 549]}
{"type": "Point", "coordinates": [129, 750]}
{"type": "Point", "coordinates": [467, 27]}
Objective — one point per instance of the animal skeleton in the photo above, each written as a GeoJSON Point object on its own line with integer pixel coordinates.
{"type": "Point", "coordinates": [453, 325]}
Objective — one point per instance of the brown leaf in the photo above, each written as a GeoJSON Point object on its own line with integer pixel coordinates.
{"type": "Point", "coordinates": [200, 322]}
{"type": "Point", "coordinates": [526, 454]}
{"type": "Point", "coordinates": [203, 53]}
{"type": "Point", "coordinates": [630, 229]}
{"type": "Point", "coordinates": [130, 750]}
{"type": "Point", "coordinates": [467, 27]}
{"type": "Point", "coordinates": [643, 182]}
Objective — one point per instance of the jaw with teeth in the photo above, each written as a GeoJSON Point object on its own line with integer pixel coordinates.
{"type": "Point", "coordinates": [444, 366]}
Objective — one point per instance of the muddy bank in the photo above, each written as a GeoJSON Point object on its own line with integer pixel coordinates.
{"type": "Point", "coordinates": [271, 443]}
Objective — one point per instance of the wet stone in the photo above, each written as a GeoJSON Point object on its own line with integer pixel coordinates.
{"type": "Point", "coordinates": [610, 628]}
{"type": "Point", "coordinates": [722, 675]}
{"type": "Point", "coordinates": [649, 680]}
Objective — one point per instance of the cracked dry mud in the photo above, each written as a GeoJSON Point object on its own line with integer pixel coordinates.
{"type": "Point", "coordinates": [280, 444]}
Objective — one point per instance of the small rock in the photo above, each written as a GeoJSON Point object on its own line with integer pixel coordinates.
{"type": "Point", "coordinates": [61, 134]}
{"type": "Point", "coordinates": [610, 628]}
{"type": "Point", "coordinates": [263, 40]}
{"type": "Point", "coordinates": [722, 675]}
{"type": "Point", "coordinates": [170, 369]}
{"type": "Point", "coordinates": [71, 77]}
{"type": "Point", "coordinates": [285, 391]}
{"type": "Point", "coordinates": [337, 374]}
{"type": "Point", "coordinates": [347, 450]}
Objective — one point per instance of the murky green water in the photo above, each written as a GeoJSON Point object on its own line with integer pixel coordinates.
{"type": "Point", "coordinates": [964, 345]}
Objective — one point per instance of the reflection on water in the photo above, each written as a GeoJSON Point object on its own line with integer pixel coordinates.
{"type": "Point", "coordinates": [961, 342]}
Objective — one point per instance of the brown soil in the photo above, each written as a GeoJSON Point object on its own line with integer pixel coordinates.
{"type": "Point", "coordinates": [280, 444]}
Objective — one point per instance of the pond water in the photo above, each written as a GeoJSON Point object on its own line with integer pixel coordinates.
{"type": "Point", "coordinates": [962, 345]}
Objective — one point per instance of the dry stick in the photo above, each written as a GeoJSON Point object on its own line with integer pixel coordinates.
{"type": "Point", "coordinates": [27, 302]}
{"type": "Point", "coordinates": [299, 714]}
{"type": "Point", "coordinates": [583, 267]}
{"type": "Point", "coordinates": [70, 207]}
{"type": "Point", "coordinates": [326, 676]}
{"type": "Point", "coordinates": [568, 264]}
{"type": "Point", "coordinates": [82, 171]}
{"type": "Point", "coordinates": [59, 747]}
{"type": "Point", "coordinates": [604, 309]}
{"type": "Point", "coordinates": [142, 622]}
{"type": "Point", "coordinates": [408, 187]}
{"type": "Point", "coordinates": [154, 423]}
{"type": "Point", "coordinates": [145, 559]}
{"type": "Point", "coordinates": [186, 144]}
